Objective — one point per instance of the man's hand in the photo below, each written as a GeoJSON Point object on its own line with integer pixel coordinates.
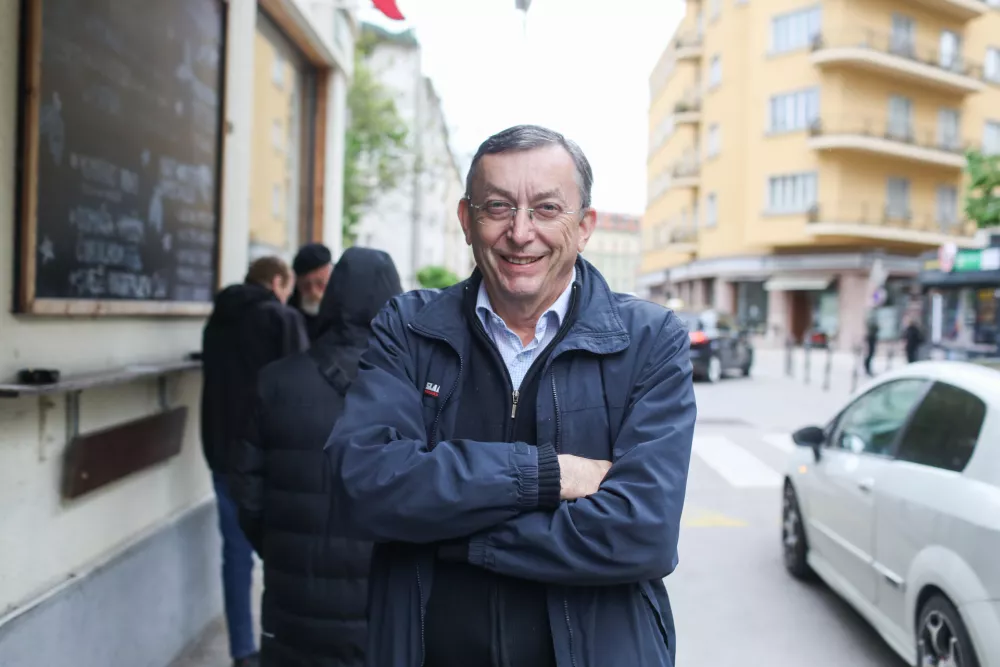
{"type": "Point", "coordinates": [580, 477]}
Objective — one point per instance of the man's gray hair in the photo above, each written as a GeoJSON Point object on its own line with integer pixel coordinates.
{"type": "Point", "coordinates": [528, 137]}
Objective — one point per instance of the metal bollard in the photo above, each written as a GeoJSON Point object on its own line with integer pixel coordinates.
{"type": "Point", "coordinates": [788, 357]}
{"type": "Point", "coordinates": [805, 364]}
{"type": "Point", "coordinates": [856, 368]}
{"type": "Point", "coordinates": [829, 367]}
{"type": "Point", "coordinates": [888, 359]}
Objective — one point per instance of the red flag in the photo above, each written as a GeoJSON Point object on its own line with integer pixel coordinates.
{"type": "Point", "coordinates": [389, 8]}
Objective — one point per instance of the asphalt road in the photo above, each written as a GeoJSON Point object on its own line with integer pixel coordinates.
{"type": "Point", "coordinates": [733, 602]}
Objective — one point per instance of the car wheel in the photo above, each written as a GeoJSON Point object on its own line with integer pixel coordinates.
{"type": "Point", "coordinates": [942, 640]}
{"type": "Point", "coordinates": [714, 372]}
{"type": "Point", "coordinates": [793, 536]}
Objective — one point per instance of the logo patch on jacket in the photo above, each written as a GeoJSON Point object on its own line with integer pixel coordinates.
{"type": "Point", "coordinates": [432, 389]}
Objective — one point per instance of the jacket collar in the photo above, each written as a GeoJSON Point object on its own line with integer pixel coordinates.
{"type": "Point", "coordinates": [597, 327]}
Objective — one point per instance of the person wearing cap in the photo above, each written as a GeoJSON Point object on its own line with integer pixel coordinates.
{"type": "Point", "coordinates": [313, 267]}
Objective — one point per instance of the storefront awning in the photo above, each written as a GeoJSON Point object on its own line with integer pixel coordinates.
{"type": "Point", "coordinates": [793, 283]}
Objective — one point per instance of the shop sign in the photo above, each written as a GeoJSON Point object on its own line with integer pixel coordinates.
{"type": "Point", "coordinates": [987, 259]}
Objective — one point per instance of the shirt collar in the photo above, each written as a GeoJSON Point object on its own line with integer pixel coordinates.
{"type": "Point", "coordinates": [559, 307]}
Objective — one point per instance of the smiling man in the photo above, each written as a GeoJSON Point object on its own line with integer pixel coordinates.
{"type": "Point", "coordinates": [518, 444]}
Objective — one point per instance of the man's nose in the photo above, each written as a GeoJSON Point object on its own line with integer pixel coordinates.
{"type": "Point", "coordinates": [522, 228]}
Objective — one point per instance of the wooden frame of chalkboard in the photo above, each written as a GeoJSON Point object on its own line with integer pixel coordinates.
{"type": "Point", "coordinates": [120, 176]}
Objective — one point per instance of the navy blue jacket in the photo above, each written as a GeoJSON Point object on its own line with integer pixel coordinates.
{"type": "Point", "coordinates": [617, 387]}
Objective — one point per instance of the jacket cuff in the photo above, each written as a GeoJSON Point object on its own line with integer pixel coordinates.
{"type": "Point", "coordinates": [549, 478]}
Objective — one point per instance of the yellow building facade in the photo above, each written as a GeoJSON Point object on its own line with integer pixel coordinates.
{"type": "Point", "coordinates": [803, 154]}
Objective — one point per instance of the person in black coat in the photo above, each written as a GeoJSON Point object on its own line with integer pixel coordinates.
{"type": "Point", "coordinates": [250, 327]}
{"type": "Point", "coordinates": [315, 584]}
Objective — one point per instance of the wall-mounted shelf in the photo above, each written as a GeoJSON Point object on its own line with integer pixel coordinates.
{"type": "Point", "coordinates": [85, 381]}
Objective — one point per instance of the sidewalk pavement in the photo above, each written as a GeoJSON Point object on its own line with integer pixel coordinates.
{"type": "Point", "coordinates": [211, 649]}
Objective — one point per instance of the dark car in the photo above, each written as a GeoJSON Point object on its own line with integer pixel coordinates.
{"type": "Point", "coordinates": [717, 344]}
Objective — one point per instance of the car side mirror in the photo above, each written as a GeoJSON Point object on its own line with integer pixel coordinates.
{"type": "Point", "coordinates": [812, 437]}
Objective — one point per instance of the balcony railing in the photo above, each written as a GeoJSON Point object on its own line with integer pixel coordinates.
{"type": "Point", "coordinates": [891, 130]}
{"type": "Point", "coordinates": [888, 137]}
{"type": "Point", "coordinates": [689, 40]}
{"type": "Point", "coordinates": [930, 60]}
{"type": "Point", "coordinates": [882, 215]}
{"type": "Point", "coordinates": [685, 168]}
{"type": "Point", "coordinates": [689, 102]}
{"type": "Point", "coordinates": [682, 234]}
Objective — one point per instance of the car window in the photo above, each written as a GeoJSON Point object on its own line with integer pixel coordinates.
{"type": "Point", "coordinates": [725, 323]}
{"type": "Point", "coordinates": [944, 430]}
{"type": "Point", "coordinates": [870, 425]}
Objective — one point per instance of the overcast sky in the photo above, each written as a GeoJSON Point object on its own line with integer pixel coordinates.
{"type": "Point", "coordinates": [581, 68]}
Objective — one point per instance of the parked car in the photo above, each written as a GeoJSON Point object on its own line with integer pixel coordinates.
{"type": "Point", "coordinates": [717, 344]}
{"type": "Point", "coordinates": [895, 504]}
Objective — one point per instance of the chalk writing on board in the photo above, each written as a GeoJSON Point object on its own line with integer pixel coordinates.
{"type": "Point", "coordinates": [46, 250]}
{"type": "Point", "coordinates": [52, 127]}
{"type": "Point", "coordinates": [128, 139]}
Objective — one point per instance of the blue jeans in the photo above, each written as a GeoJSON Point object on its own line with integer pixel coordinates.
{"type": "Point", "coordinates": [237, 573]}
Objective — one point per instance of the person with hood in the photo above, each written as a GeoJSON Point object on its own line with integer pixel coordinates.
{"type": "Point", "coordinates": [312, 266]}
{"type": "Point", "coordinates": [250, 327]}
{"type": "Point", "coordinates": [315, 584]}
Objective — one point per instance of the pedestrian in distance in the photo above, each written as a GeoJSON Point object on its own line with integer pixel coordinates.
{"type": "Point", "coordinates": [315, 583]}
{"type": "Point", "coordinates": [250, 326]}
{"type": "Point", "coordinates": [517, 445]}
{"type": "Point", "coordinates": [312, 266]}
{"type": "Point", "coordinates": [913, 338]}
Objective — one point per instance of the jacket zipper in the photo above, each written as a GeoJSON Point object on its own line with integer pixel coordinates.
{"type": "Point", "coordinates": [558, 448]}
{"type": "Point", "coordinates": [420, 596]}
{"type": "Point", "coordinates": [513, 405]}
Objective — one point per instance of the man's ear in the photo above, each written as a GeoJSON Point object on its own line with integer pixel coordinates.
{"type": "Point", "coordinates": [465, 217]}
{"type": "Point", "coordinates": [587, 225]}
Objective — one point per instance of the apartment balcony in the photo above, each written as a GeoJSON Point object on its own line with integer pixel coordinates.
{"type": "Point", "coordinates": [685, 173]}
{"type": "Point", "coordinates": [963, 10]}
{"type": "Point", "coordinates": [689, 46]}
{"type": "Point", "coordinates": [899, 59]}
{"type": "Point", "coordinates": [849, 222]}
{"type": "Point", "coordinates": [903, 141]}
{"type": "Point", "coordinates": [687, 111]}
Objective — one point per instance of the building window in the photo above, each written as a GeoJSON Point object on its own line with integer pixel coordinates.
{"type": "Point", "coordinates": [948, 124]}
{"type": "Point", "coordinates": [903, 32]}
{"type": "Point", "coordinates": [950, 51]}
{"type": "Point", "coordinates": [794, 111]}
{"type": "Point", "coordinates": [277, 209]}
{"type": "Point", "coordinates": [715, 8]}
{"type": "Point", "coordinates": [900, 118]}
{"type": "Point", "coordinates": [795, 30]}
{"type": "Point", "coordinates": [714, 140]}
{"type": "Point", "coordinates": [276, 134]}
{"type": "Point", "coordinates": [992, 67]}
{"type": "Point", "coordinates": [991, 138]}
{"type": "Point", "coordinates": [947, 206]}
{"type": "Point", "coordinates": [711, 210]}
{"type": "Point", "coordinates": [278, 69]}
{"type": "Point", "coordinates": [715, 72]}
{"type": "Point", "coordinates": [791, 193]}
{"type": "Point", "coordinates": [897, 205]}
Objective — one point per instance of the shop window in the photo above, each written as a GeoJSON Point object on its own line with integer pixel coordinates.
{"type": "Point", "coordinates": [281, 164]}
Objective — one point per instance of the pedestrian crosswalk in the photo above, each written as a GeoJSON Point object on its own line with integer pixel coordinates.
{"type": "Point", "coordinates": [738, 465]}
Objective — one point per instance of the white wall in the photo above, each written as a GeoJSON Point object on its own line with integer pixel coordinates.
{"type": "Point", "coordinates": [44, 540]}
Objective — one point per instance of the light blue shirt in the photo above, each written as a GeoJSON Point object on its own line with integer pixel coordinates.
{"type": "Point", "coordinates": [517, 356]}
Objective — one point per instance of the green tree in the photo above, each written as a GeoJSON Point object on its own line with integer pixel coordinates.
{"type": "Point", "coordinates": [435, 277]}
{"type": "Point", "coordinates": [375, 140]}
{"type": "Point", "coordinates": [982, 197]}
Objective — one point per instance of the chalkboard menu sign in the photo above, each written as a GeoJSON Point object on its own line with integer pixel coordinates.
{"type": "Point", "coordinates": [121, 151]}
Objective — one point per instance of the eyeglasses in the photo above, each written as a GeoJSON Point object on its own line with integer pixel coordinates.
{"type": "Point", "coordinates": [496, 211]}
